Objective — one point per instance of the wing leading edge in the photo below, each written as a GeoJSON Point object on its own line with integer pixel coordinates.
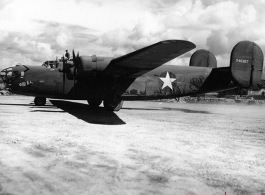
{"type": "Point", "coordinates": [148, 58]}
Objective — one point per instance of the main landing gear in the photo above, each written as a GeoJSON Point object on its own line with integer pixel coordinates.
{"type": "Point", "coordinates": [113, 103]}
{"type": "Point", "coordinates": [94, 103]}
{"type": "Point", "coordinates": [40, 101]}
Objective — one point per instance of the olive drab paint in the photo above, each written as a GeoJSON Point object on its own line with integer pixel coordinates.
{"type": "Point", "coordinates": [203, 58]}
{"type": "Point", "coordinates": [246, 64]}
{"type": "Point", "coordinates": [140, 75]}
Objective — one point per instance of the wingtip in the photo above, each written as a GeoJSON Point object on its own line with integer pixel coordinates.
{"type": "Point", "coordinates": [188, 43]}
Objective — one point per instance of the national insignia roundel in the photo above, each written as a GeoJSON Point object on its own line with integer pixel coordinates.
{"type": "Point", "coordinates": [167, 78]}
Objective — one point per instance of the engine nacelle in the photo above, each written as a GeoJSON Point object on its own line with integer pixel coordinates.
{"type": "Point", "coordinates": [93, 63]}
{"type": "Point", "coordinates": [86, 66]}
{"type": "Point", "coordinates": [246, 64]}
{"type": "Point", "coordinates": [203, 58]}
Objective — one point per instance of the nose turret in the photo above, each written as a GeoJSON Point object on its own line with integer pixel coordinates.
{"type": "Point", "coordinates": [9, 75]}
{"type": "Point", "coordinates": [6, 75]}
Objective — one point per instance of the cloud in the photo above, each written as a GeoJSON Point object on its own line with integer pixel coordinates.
{"type": "Point", "coordinates": [20, 48]}
{"type": "Point", "coordinates": [117, 27]}
{"type": "Point", "coordinates": [146, 31]}
{"type": "Point", "coordinates": [3, 36]}
{"type": "Point", "coordinates": [217, 42]}
{"type": "Point", "coordinates": [4, 3]}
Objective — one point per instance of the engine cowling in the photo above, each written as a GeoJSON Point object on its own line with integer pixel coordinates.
{"type": "Point", "coordinates": [85, 66]}
{"type": "Point", "coordinates": [246, 64]}
{"type": "Point", "coordinates": [93, 63]}
{"type": "Point", "coordinates": [203, 58]}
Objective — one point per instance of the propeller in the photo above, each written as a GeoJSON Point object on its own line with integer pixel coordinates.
{"type": "Point", "coordinates": [64, 72]}
{"type": "Point", "coordinates": [67, 69]}
{"type": "Point", "coordinates": [76, 63]}
{"type": "Point", "coordinates": [76, 60]}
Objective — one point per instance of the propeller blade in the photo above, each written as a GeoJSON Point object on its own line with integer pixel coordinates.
{"type": "Point", "coordinates": [64, 70]}
{"type": "Point", "coordinates": [74, 58]}
{"type": "Point", "coordinates": [74, 79]}
{"type": "Point", "coordinates": [76, 61]}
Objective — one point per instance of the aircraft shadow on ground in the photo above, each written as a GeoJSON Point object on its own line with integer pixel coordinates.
{"type": "Point", "coordinates": [27, 105]}
{"type": "Point", "coordinates": [88, 114]}
{"type": "Point", "coordinates": [2, 104]}
{"type": "Point", "coordinates": [43, 107]}
{"type": "Point", "coordinates": [171, 109]}
{"type": "Point", "coordinates": [45, 111]}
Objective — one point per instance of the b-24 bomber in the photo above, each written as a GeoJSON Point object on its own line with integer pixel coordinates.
{"type": "Point", "coordinates": [139, 75]}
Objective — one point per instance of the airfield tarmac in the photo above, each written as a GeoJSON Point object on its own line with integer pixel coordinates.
{"type": "Point", "coordinates": [146, 148]}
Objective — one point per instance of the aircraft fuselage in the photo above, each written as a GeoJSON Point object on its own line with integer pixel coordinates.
{"type": "Point", "coordinates": [163, 82]}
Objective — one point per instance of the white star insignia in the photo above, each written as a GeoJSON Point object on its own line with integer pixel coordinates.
{"type": "Point", "coordinates": [167, 81]}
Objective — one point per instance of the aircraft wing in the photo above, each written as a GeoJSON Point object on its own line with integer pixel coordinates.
{"type": "Point", "coordinates": [148, 58]}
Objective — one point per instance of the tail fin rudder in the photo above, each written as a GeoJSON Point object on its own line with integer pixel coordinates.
{"type": "Point", "coordinates": [246, 64]}
{"type": "Point", "coordinates": [203, 58]}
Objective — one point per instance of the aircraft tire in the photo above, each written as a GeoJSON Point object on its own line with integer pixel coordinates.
{"type": "Point", "coordinates": [40, 101]}
{"type": "Point", "coordinates": [113, 104]}
{"type": "Point", "coordinates": [94, 103]}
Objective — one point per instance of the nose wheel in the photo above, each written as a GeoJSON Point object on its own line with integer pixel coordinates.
{"type": "Point", "coordinates": [40, 101]}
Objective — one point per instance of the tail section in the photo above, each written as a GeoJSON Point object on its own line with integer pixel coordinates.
{"type": "Point", "coordinates": [246, 64]}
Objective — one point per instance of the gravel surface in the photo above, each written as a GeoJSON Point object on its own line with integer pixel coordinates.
{"type": "Point", "coordinates": [66, 147]}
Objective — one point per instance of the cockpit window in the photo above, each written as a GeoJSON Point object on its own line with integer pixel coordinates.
{"type": "Point", "coordinates": [6, 74]}
{"type": "Point", "coordinates": [50, 64]}
{"type": "Point", "coordinates": [8, 69]}
{"type": "Point", "coordinates": [5, 71]}
{"type": "Point", "coordinates": [15, 73]}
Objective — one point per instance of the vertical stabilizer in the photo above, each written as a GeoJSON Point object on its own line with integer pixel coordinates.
{"type": "Point", "coordinates": [246, 64]}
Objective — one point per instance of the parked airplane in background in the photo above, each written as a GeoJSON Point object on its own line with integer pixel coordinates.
{"type": "Point", "coordinates": [139, 75]}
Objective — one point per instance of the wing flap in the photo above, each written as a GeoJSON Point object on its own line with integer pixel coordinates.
{"type": "Point", "coordinates": [148, 58]}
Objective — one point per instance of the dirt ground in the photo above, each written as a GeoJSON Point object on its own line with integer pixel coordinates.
{"type": "Point", "coordinates": [146, 148]}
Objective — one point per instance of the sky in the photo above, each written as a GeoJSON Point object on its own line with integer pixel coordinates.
{"type": "Point", "coordinates": [33, 31]}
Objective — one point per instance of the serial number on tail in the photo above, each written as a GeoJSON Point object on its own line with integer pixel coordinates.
{"type": "Point", "coordinates": [242, 61]}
